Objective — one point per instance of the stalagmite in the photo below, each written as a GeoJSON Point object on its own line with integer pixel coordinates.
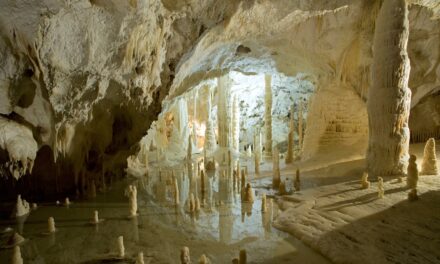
{"type": "Point", "coordinates": [67, 201]}
{"type": "Point", "coordinates": [247, 193]}
{"type": "Point", "coordinates": [192, 203]}
{"type": "Point", "coordinates": [197, 204]}
{"type": "Point", "coordinates": [300, 125]}
{"type": "Point", "coordinates": [184, 256]}
{"type": "Point", "coordinates": [364, 181]}
{"type": "Point", "coordinates": [389, 97]}
{"type": "Point", "coordinates": [51, 225]}
{"type": "Point", "coordinates": [429, 162]}
{"type": "Point", "coordinates": [16, 256]}
{"type": "Point", "coordinates": [235, 125]}
{"type": "Point", "coordinates": [413, 173]}
{"type": "Point", "coordinates": [140, 258]}
{"type": "Point", "coordinates": [249, 152]}
{"type": "Point", "coordinates": [176, 192]}
{"type": "Point", "coordinates": [22, 207]}
{"type": "Point", "coordinates": [203, 259]}
{"type": "Point", "coordinates": [263, 203]}
{"type": "Point", "coordinates": [380, 189]}
{"type": "Point", "coordinates": [276, 178]}
{"type": "Point", "coordinates": [132, 196]}
{"type": "Point", "coordinates": [121, 248]}
{"type": "Point", "coordinates": [189, 150]}
{"type": "Point", "coordinates": [282, 188]}
{"type": "Point", "coordinates": [194, 130]}
{"type": "Point", "coordinates": [15, 239]}
{"type": "Point", "coordinates": [290, 138]}
{"type": "Point", "coordinates": [297, 183]}
{"type": "Point", "coordinates": [257, 163]}
{"type": "Point", "coordinates": [34, 206]}
{"type": "Point", "coordinates": [96, 219]}
{"type": "Point", "coordinates": [412, 195]}
{"type": "Point", "coordinates": [268, 114]}
{"type": "Point", "coordinates": [243, 179]}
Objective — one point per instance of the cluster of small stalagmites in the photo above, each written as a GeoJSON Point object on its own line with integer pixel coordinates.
{"type": "Point", "coordinates": [22, 207]}
{"type": "Point", "coordinates": [242, 259]}
{"type": "Point", "coordinates": [429, 162]}
{"type": "Point", "coordinates": [365, 184]}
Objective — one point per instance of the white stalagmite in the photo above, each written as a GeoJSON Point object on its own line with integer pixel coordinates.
{"type": "Point", "coordinates": [380, 188]}
{"type": "Point", "coordinates": [429, 162]}
{"type": "Point", "coordinates": [235, 125]}
{"type": "Point", "coordinates": [51, 225]}
{"type": "Point", "coordinates": [364, 181]}
{"type": "Point", "coordinates": [132, 196]}
{"type": "Point", "coordinates": [210, 142]}
{"type": "Point", "coordinates": [121, 248]}
{"type": "Point", "coordinates": [389, 97]}
{"type": "Point", "coordinates": [203, 259]}
{"type": "Point", "coordinates": [176, 192]}
{"type": "Point", "coordinates": [268, 114]}
{"type": "Point", "coordinates": [96, 219]}
{"type": "Point", "coordinates": [223, 112]}
{"type": "Point", "coordinates": [22, 207]}
{"type": "Point", "coordinates": [413, 173]}
{"type": "Point", "coordinates": [140, 258]}
{"type": "Point", "coordinates": [185, 258]}
{"type": "Point", "coordinates": [16, 256]}
{"type": "Point", "coordinates": [276, 168]}
{"type": "Point", "coordinates": [290, 138]}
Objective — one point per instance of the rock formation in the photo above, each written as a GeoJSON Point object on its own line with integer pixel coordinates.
{"type": "Point", "coordinates": [132, 198]}
{"type": "Point", "coordinates": [365, 184]}
{"type": "Point", "coordinates": [140, 258]}
{"type": "Point", "coordinates": [224, 113]}
{"type": "Point", "coordinates": [380, 188]}
{"type": "Point", "coordinates": [184, 256]}
{"type": "Point", "coordinates": [412, 195]}
{"type": "Point", "coordinates": [413, 173]}
{"type": "Point", "coordinates": [16, 256]}
{"type": "Point", "coordinates": [429, 162]}
{"type": "Point", "coordinates": [51, 225]}
{"type": "Point", "coordinates": [210, 142]}
{"type": "Point", "coordinates": [268, 114]}
{"type": "Point", "coordinates": [389, 96]}
{"type": "Point", "coordinates": [121, 248]}
{"type": "Point", "coordinates": [300, 125]}
{"type": "Point", "coordinates": [235, 125]}
{"type": "Point", "coordinates": [263, 203]}
{"type": "Point", "coordinates": [22, 207]}
{"type": "Point", "coordinates": [297, 182]}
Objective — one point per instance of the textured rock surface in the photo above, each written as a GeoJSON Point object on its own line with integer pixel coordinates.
{"type": "Point", "coordinates": [87, 78]}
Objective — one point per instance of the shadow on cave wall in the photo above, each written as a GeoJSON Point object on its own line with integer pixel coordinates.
{"type": "Point", "coordinates": [407, 232]}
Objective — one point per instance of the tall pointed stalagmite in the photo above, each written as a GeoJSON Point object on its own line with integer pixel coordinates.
{"type": "Point", "coordinates": [268, 114]}
{"type": "Point", "coordinates": [389, 97]}
{"type": "Point", "coordinates": [223, 112]}
{"type": "Point", "coordinates": [429, 162]}
{"type": "Point", "coordinates": [290, 138]}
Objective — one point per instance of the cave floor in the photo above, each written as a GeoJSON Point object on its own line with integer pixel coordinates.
{"type": "Point", "coordinates": [352, 225]}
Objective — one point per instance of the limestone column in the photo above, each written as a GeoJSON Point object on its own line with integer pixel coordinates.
{"type": "Point", "coordinates": [210, 142]}
{"type": "Point", "coordinates": [194, 132]}
{"type": "Point", "coordinates": [235, 125]}
{"type": "Point", "coordinates": [268, 114]}
{"type": "Point", "coordinates": [290, 138]}
{"type": "Point", "coordinates": [223, 113]}
{"type": "Point", "coordinates": [389, 96]}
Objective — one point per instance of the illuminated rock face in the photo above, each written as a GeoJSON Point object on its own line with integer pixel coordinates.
{"type": "Point", "coordinates": [389, 97]}
{"type": "Point", "coordinates": [83, 81]}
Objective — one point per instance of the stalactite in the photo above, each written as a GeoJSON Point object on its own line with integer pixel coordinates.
{"type": "Point", "coordinates": [268, 114]}
{"type": "Point", "coordinates": [290, 138]}
{"type": "Point", "coordinates": [235, 125]}
{"type": "Point", "coordinates": [389, 97]}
